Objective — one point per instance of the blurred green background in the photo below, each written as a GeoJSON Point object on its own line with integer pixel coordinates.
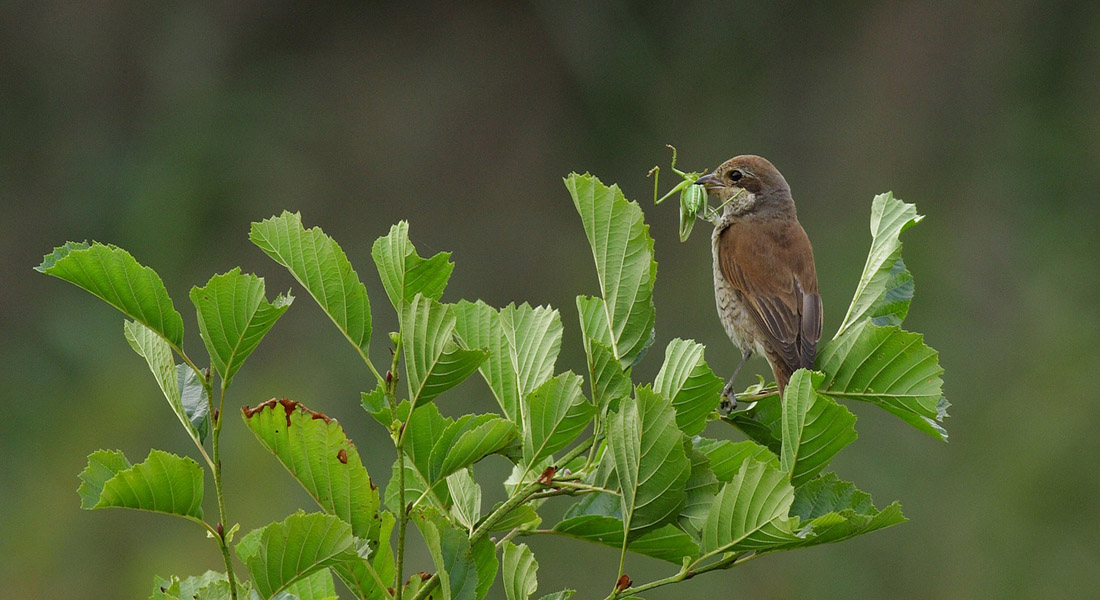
{"type": "Point", "coordinates": [167, 128]}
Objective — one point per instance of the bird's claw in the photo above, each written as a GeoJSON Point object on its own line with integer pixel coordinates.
{"type": "Point", "coordinates": [729, 399]}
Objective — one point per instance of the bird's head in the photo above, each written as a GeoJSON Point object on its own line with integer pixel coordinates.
{"type": "Point", "coordinates": [755, 182]}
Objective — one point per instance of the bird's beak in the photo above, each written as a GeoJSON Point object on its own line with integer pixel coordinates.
{"type": "Point", "coordinates": [708, 182]}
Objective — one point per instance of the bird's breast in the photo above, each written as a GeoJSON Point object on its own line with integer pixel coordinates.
{"type": "Point", "coordinates": [732, 312]}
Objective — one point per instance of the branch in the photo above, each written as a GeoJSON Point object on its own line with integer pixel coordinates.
{"type": "Point", "coordinates": [686, 572]}
{"type": "Point", "coordinates": [522, 496]}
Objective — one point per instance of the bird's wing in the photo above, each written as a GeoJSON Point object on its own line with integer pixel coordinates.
{"type": "Point", "coordinates": [771, 267]}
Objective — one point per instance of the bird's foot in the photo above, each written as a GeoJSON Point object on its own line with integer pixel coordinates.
{"type": "Point", "coordinates": [729, 399]}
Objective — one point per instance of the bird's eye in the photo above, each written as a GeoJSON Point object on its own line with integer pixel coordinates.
{"type": "Point", "coordinates": [735, 176]}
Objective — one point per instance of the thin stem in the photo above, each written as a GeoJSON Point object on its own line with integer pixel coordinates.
{"type": "Point", "coordinates": [555, 493]}
{"type": "Point", "coordinates": [390, 385]}
{"type": "Point", "coordinates": [572, 488]}
{"type": "Point", "coordinates": [215, 462]}
{"type": "Point", "coordinates": [596, 436]}
{"type": "Point", "coordinates": [522, 496]}
{"type": "Point", "coordinates": [427, 588]}
{"type": "Point", "coordinates": [767, 393]}
{"type": "Point", "coordinates": [622, 563]}
{"type": "Point", "coordinates": [216, 430]}
{"type": "Point", "coordinates": [202, 450]}
{"type": "Point", "coordinates": [370, 365]}
{"type": "Point", "coordinates": [402, 524]}
{"type": "Point", "coordinates": [686, 572]}
{"type": "Point", "coordinates": [191, 364]}
{"type": "Point", "coordinates": [598, 419]}
{"type": "Point", "coordinates": [511, 535]}
{"type": "Point", "coordinates": [420, 499]}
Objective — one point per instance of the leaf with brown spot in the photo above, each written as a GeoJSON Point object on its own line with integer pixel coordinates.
{"type": "Point", "coordinates": [314, 448]}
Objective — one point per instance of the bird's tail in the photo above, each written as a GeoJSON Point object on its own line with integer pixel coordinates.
{"type": "Point", "coordinates": [782, 372]}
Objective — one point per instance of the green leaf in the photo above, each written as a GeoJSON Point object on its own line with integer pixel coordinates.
{"type": "Point", "coordinates": [114, 276]}
{"type": "Point", "coordinates": [166, 589]}
{"type": "Point", "coordinates": [478, 326]}
{"type": "Point", "coordinates": [424, 428]}
{"type": "Point", "coordinates": [762, 423]}
{"type": "Point", "coordinates": [726, 457]}
{"type": "Point", "coordinates": [694, 389]}
{"type": "Point", "coordinates": [534, 341]}
{"type": "Point", "coordinates": [318, 586]}
{"type": "Point", "coordinates": [846, 524]}
{"type": "Point", "coordinates": [211, 585]}
{"type": "Point", "coordinates": [604, 504]}
{"type": "Point", "coordinates": [437, 447]}
{"type": "Point", "coordinates": [557, 413]}
{"type": "Point", "coordinates": [468, 440]}
{"type": "Point", "coordinates": [610, 383]}
{"type": "Point", "coordinates": [814, 428]}
{"type": "Point", "coordinates": [758, 495]}
{"type": "Point", "coordinates": [650, 462]}
{"type": "Point", "coordinates": [283, 553]}
{"type": "Point", "coordinates": [249, 544]}
{"type": "Point", "coordinates": [180, 385]}
{"type": "Point", "coordinates": [163, 483]}
{"type": "Point", "coordinates": [404, 273]}
{"type": "Point", "coordinates": [597, 518]}
{"type": "Point", "coordinates": [315, 450]}
{"type": "Point", "coordinates": [194, 399]}
{"type": "Point", "coordinates": [377, 407]}
{"type": "Point", "coordinates": [206, 585]}
{"type": "Point", "coordinates": [884, 288]}
{"type": "Point", "coordinates": [523, 344]}
{"type": "Point", "coordinates": [485, 560]}
{"type": "Point", "coordinates": [234, 315]}
{"type": "Point", "coordinates": [467, 497]}
{"type": "Point", "coordinates": [102, 466]}
{"type": "Point", "coordinates": [453, 557]}
{"type": "Point", "coordinates": [373, 573]}
{"type": "Point", "coordinates": [828, 494]}
{"type": "Point", "coordinates": [699, 492]}
{"type": "Point", "coordinates": [383, 560]}
{"type": "Point", "coordinates": [520, 571]}
{"type": "Point", "coordinates": [892, 308]}
{"type": "Point", "coordinates": [415, 486]}
{"type": "Point", "coordinates": [888, 367]}
{"type": "Point", "coordinates": [825, 510]}
{"type": "Point", "coordinates": [320, 265]}
{"type": "Point", "coordinates": [665, 543]}
{"type": "Point", "coordinates": [623, 252]}
{"type": "Point", "coordinates": [434, 363]}
{"type": "Point", "coordinates": [595, 327]}
{"type": "Point", "coordinates": [523, 517]}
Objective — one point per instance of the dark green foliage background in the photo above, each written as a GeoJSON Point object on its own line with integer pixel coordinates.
{"type": "Point", "coordinates": [167, 130]}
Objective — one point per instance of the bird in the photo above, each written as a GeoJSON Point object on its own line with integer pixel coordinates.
{"type": "Point", "coordinates": [765, 281]}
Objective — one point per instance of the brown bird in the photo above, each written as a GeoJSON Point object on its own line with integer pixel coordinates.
{"type": "Point", "coordinates": [765, 283]}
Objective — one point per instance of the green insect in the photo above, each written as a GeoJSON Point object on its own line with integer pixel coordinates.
{"type": "Point", "coordinates": [693, 198]}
